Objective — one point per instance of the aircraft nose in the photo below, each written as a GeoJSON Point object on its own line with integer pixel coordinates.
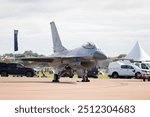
{"type": "Point", "coordinates": [99, 55]}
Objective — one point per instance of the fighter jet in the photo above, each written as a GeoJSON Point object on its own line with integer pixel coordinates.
{"type": "Point", "coordinates": [64, 61]}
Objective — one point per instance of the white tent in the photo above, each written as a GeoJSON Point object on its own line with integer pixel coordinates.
{"type": "Point", "coordinates": [138, 54]}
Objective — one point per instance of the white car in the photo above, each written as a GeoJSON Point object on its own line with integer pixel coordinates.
{"type": "Point", "coordinates": [122, 69]}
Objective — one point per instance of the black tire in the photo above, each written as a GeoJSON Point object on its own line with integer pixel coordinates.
{"type": "Point", "coordinates": [115, 75]}
{"type": "Point", "coordinates": [4, 74]}
{"type": "Point", "coordinates": [29, 74]}
{"type": "Point", "coordinates": [148, 79]}
{"type": "Point", "coordinates": [56, 78]}
{"type": "Point", "coordinates": [144, 79]}
{"type": "Point", "coordinates": [71, 76]}
{"type": "Point", "coordinates": [137, 75]}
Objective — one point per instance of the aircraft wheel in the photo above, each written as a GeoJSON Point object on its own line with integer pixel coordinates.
{"type": "Point", "coordinates": [88, 80]}
{"type": "Point", "coordinates": [56, 78]}
{"type": "Point", "coordinates": [85, 79]}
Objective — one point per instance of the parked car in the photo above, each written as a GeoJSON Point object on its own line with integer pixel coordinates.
{"type": "Point", "coordinates": [92, 73]}
{"type": "Point", "coordinates": [7, 69]}
{"type": "Point", "coordinates": [123, 69]}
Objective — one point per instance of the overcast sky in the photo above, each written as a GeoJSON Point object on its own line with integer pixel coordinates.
{"type": "Point", "coordinates": [114, 25]}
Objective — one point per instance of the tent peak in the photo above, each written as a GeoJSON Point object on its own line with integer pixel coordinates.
{"type": "Point", "coordinates": [137, 53]}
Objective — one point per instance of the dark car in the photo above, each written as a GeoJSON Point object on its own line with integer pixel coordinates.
{"type": "Point", "coordinates": [93, 73]}
{"type": "Point", "coordinates": [7, 69]}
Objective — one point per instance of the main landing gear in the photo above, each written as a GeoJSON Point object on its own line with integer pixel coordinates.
{"type": "Point", "coordinates": [56, 78]}
{"type": "Point", "coordinates": [85, 77]}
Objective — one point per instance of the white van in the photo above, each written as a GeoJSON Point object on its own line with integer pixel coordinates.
{"type": "Point", "coordinates": [125, 69]}
{"type": "Point", "coordinates": [143, 65]}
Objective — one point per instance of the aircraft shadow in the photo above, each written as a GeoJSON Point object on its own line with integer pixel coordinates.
{"type": "Point", "coordinates": [63, 82]}
{"type": "Point", "coordinates": [37, 82]}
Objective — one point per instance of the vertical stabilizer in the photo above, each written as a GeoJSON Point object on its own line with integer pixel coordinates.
{"type": "Point", "coordinates": [57, 45]}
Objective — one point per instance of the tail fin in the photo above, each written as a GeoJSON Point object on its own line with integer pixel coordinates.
{"type": "Point", "coordinates": [57, 45]}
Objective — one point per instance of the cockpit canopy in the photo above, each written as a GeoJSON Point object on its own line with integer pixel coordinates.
{"type": "Point", "coordinates": [89, 45]}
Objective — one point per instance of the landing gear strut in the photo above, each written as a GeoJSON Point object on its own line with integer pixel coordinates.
{"type": "Point", "coordinates": [85, 77]}
{"type": "Point", "coordinates": [56, 78]}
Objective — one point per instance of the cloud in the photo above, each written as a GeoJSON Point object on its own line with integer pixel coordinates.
{"type": "Point", "coordinates": [117, 23]}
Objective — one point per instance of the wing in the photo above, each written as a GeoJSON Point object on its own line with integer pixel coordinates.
{"type": "Point", "coordinates": [51, 59]}
{"type": "Point", "coordinates": [39, 59]}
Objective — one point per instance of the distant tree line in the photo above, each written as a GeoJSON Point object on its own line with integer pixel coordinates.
{"type": "Point", "coordinates": [9, 57]}
{"type": "Point", "coordinates": [25, 54]}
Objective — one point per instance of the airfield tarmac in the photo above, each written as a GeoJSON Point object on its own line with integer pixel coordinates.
{"type": "Point", "coordinates": [19, 88]}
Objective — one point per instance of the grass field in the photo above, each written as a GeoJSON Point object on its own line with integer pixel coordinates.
{"type": "Point", "coordinates": [47, 75]}
{"type": "Point", "coordinates": [50, 75]}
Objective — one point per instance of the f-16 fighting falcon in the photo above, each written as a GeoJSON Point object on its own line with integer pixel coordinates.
{"type": "Point", "coordinates": [64, 61]}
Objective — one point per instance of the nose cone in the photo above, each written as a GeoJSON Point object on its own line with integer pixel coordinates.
{"type": "Point", "coordinates": [99, 55]}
